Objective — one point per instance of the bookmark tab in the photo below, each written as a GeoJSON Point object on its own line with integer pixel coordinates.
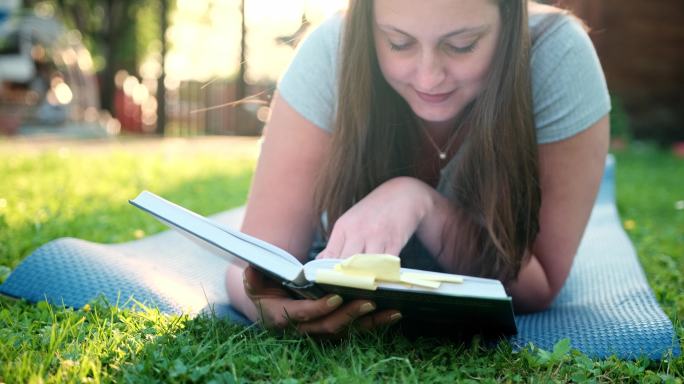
{"type": "Point", "coordinates": [365, 270]}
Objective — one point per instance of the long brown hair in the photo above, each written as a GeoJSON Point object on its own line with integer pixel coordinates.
{"type": "Point", "coordinates": [495, 188]}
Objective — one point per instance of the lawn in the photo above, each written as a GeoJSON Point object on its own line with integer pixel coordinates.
{"type": "Point", "coordinates": [82, 190]}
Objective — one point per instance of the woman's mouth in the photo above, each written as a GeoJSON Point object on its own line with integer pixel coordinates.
{"type": "Point", "coordinates": [434, 97]}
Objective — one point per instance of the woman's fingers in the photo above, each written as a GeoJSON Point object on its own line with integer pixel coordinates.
{"type": "Point", "coordinates": [394, 247]}
{"type": "Point", "coordinates": [343, 244]}
{"type": "Point", "coordinates": [359, 314]}
{"type": "Point", "coordinates": [326, 316]}
{"type": "Point", "coordinates": [277, 309]}
{"type": "Point", "coordinates": [333, 248]}
{"type": "Point", "coordinates": [256, 284]}
{"type": "Point", "coordinates": [280, 313]}
{"type": "Point", "coordinates": [378, 319]}
{"type": "Point", "coordinates": [339, 320]}
{"type": "Point", "coordinates": [351, 247]}
{"type": "Point", "coordinates": [374, 246]}
{"type": "Point", "coordinates": [340, 246]}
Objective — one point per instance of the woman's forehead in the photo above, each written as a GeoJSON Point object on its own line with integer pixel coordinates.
{"type": "Point", "coordinates": [435, 17]}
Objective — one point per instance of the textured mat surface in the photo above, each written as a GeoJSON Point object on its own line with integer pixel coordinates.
{"type": "Point", "coordinates": [606, 306]}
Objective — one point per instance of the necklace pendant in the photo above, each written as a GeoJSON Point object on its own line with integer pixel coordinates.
{"type": "Point", "coordinates": [442, 155]}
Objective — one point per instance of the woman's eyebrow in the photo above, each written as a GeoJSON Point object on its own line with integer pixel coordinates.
{"type": "Point", "coordinates": [478, 29]}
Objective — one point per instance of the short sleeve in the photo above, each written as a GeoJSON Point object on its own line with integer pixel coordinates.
{"type": "Point", "coordinates": [569, 88]}
{"type": "Point", "coordinates": [309, 82]}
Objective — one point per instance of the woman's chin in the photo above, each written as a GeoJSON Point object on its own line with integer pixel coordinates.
{"type": "Point", "coordinates": [433, 117]}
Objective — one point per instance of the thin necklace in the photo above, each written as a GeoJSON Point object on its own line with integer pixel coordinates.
{"type": "Point", "coordinates": [442, 153]}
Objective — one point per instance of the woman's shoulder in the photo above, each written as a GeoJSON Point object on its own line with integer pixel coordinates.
{"type": "Point", "coordinates": [557, 38]}
{"type": "Point", "coordinates": [554, 27]}
{"type": "Point", "coordinates": [321, 44]}
{"type": "Point", "coordinates": [569, 90]}
{"type": "Point", "coordinates": [308, 84]}
{"type": "Point", "coordinates": [328, 32]}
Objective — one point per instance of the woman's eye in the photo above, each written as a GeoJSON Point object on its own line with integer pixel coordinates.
{"type": "Point", "coordinates": [399, 47]}
{"type": "Point", "coordinates": [466, 49]}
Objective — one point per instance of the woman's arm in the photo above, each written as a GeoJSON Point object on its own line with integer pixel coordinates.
{"type": "Point", "coordinates": [279, 206]}
{"type": "Point", "coordinates": [570, 176]}
{"type": "Point", "coordinates": [280, 210]}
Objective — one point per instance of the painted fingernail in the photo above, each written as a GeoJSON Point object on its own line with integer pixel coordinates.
{"type": "Point", "coordinates": [334, 301]}
{"type": "Point", "coordinates": [366, 307]}
{"type": "Point", "coordinates": [395, 317]}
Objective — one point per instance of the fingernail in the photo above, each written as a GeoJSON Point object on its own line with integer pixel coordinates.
{"type": "Point", "coordinates": [334, 301]}
{"type": "Point", "coordinates": [366, 307]}
{"type": "Point", "coordinates": [395, 317]}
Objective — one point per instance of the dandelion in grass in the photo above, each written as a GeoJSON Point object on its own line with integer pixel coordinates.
{"type": "Point", "coordinates": [679, 205]}
{"type": "Point", "coordinates": [629, 224]}
{"type": "Point", "coordinates": [139, 233]}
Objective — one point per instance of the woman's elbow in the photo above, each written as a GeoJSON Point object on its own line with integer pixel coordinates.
{"type": "Point", "coordinates": [533, 301]}
{"type": "Point", "coordinates": [533, 291]}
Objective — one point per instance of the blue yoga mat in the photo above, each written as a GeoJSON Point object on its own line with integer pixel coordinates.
{"type": "Point", "coordinates": [605, 308]}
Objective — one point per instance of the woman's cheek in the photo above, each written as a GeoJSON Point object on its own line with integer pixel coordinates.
{"type": "Point", "coordinates": [397, 71]}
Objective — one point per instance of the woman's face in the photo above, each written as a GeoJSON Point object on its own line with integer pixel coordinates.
{"type": "Point", "coordinates": [436, 53]}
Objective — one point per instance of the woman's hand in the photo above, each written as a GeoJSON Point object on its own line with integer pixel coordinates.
{"type": "Point", "coordinates": [327, 316]}
{"type": "Point", "coordinates": [383, 221]}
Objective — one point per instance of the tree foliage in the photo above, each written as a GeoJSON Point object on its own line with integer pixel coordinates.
{"type": "Point", "coordinates": [118, 33]}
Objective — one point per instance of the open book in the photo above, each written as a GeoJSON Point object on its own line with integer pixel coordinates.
{"type": "Point", "coordinates": [457, 302]}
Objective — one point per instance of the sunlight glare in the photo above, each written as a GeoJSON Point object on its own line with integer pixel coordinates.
{"type": "Point", "coordinates": [204, 36]}
{"type": "Point", "coordinates": [129, 85]}
{"type": "Point", "coordinates": [63, 93]}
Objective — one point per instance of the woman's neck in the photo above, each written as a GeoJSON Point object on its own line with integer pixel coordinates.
{"type": "Point", "coordinates": [440, 131]}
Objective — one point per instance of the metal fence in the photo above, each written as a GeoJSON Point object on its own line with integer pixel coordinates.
{"type": "Point", "coordinates": [213, 108]}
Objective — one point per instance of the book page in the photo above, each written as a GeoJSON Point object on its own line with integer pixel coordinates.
{"type": "Point", "coordinates": [257, 242]}
{"type": "Point", "coordinates": [223, 240]}
{"type": "Point", "coordinates": [474, 287]}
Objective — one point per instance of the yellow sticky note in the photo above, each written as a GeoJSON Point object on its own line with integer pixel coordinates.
{"type": "Point", "coordinates": [419, 282]}
{"type": "Point", "coordinates": [363, 271]}
{"type": "Point", "coordinates": [381, 266]}
{"type": "Point", "coordinates": [333, 277]}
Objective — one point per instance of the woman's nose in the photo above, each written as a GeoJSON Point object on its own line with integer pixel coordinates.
{"type": "Point", "coordinates": [430, 73]}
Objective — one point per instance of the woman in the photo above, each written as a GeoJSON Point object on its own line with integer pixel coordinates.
{"type": "Point", "coordinates": [463, 126]}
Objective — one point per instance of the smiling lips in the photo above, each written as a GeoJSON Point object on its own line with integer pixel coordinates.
{"type": "Point", "coordinates": [434, 97]}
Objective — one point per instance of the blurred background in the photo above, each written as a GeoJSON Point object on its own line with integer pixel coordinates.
{"type": "Point", "coordinates": [165, 67]}
{"type": "Point", "coordinates": [97, 68]}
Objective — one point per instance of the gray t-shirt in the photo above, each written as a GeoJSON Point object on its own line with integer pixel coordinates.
{"type": "Point", "coordinates": [569, 90]}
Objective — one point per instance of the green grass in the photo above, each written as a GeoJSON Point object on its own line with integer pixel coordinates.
{"type": "Point", "coordinates": [83, 193]}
